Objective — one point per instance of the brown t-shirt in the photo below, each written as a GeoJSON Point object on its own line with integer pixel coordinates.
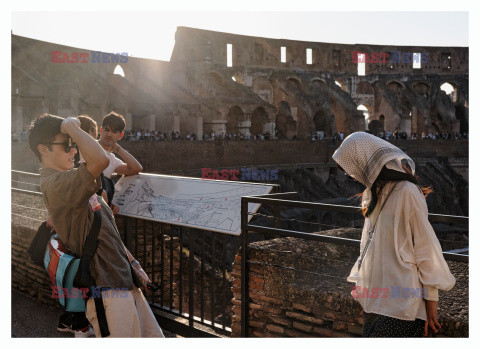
{"type": "Point", "coordinates": [66, 196]}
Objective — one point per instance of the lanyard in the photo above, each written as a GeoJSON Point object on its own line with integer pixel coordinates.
{"type": "Point", "coordinates": [372, 230]}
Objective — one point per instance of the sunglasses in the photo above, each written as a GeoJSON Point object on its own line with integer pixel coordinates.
{"type": "Point", "coordinates": [68, 144]}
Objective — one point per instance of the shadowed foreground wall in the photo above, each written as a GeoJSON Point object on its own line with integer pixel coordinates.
{"type": "Point", "coordinates": [298, 288]}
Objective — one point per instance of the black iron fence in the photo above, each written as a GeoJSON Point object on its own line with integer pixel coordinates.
{"type": "Point", "coordinates": [281, 200]}
{"type": "Point", "coordinates": [191, 268]}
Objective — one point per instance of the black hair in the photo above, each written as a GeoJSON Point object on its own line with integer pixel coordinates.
{"type": "Point", "coordinates": [114, 121]}
{"type": "Point", "coordinates": [387, 175]}
{"type": "Point", "coordinates": [44, 129]}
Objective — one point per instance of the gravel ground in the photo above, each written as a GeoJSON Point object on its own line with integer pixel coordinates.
{"type": "Point", "coordinates": [44, 325]}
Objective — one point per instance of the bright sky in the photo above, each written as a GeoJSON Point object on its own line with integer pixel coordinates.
{"type": "Point", "coordinates": [152, 34]}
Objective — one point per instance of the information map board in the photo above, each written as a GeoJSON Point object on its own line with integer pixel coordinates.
{"type": "Point", "coordinates": [193, 202]}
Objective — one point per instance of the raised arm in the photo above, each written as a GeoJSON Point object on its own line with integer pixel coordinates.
{"type": "Point", "coordinates": [95, 158]}
{"type": "Point", "coordinates": [131, 166]}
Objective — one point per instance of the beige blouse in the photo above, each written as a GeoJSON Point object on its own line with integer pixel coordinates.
{"type": "Point", "coordinates": [404, 262]}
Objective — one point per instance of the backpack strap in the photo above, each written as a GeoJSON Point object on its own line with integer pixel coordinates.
{"type": "Point", "coordinates": [84, 279]}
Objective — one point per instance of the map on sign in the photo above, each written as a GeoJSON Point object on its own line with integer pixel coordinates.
{"type": "Point", "coordinates": [193, 202]}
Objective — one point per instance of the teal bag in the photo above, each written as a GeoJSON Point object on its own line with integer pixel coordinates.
{"type": "Point", "coordinates": [62, 268]}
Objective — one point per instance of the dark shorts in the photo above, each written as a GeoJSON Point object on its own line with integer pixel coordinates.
{"type": "Point", "coordinates": [375, 325]}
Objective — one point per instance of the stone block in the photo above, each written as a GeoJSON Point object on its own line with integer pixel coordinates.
{"type": "Point", "coordinates": [282, 321]}
{"type": "Point", "coordinates": [302, 307]}
{"type": "Point", "coordinates": [275, 328]}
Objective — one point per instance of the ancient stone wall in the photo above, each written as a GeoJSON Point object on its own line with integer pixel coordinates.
{"type": "Point", "coordinates": [196, 92]}
{"type": "Point", "coordinates": [205, 45]}
{"type": "Point", "coordinates": [190, 157]}
{"type": "Point", "coordinates": [298, 288]}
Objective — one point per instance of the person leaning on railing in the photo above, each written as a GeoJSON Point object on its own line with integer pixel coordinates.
{"type": "Point", "coordinates": [70, 197]}
{"type": "Point", "coordinates": [399, 251]}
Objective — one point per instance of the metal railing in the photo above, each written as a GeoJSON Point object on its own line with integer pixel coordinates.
{"type": "Point", "coordinates": [192, 275]}
{"type": "Point", "coordinates": [277, 201]}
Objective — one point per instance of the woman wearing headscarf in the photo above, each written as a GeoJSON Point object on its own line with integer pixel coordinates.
{"type": "Point", "coordinates": [401, 264]}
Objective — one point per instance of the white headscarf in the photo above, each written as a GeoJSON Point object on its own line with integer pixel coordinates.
{"type": "Point", "coordinates": [363, 156]}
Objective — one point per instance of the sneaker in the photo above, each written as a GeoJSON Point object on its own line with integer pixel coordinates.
{"type": "Point", "coordinates": [65, 328]}
{"type": "Point", "coordinates": [85, 333]}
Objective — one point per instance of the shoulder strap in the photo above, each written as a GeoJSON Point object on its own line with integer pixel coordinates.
{"type": "Point", "coordinates": [371, 231]}
{"type": "Point", "coordinates": [84, 277]}
{"type": "Point", "coordinates": [91, 242]}
{"type": "Point", "coordinates": [383, 204]}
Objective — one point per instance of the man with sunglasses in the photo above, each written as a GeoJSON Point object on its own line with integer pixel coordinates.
{"type": "Point", "coordinates": [66, 193]}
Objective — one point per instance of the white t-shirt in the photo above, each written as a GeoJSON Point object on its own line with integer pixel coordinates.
{"type": "Point", "coordinates": [114, 163]}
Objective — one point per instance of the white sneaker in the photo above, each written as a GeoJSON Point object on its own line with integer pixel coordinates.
{"type": "Point", "coordinates": [87, 332]}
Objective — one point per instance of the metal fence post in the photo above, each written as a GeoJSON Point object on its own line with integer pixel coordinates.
{"type": "Point", "coordinates": [244, 269]}
{"type": "Point", "coordinates": [191, 285]}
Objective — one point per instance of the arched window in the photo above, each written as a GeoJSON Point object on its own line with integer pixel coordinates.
{"type": "Point", "coordinates": [450, 90]}
{"type": "Point", "coordinates": [119, 71]}
{"type": "Point", "coordinates": [364, 110]}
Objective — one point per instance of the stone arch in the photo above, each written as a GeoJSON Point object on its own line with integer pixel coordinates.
{"type": "Point", "coordinates": [118, 70]}
{"type": "Point", "coordinates": [318, 84]}
{"type": "Point", "coordinates": [396, 89]}
{"type": "Point", "coordinates": [294, 83]}
{"type": "Point", "coordinates": [234, 117]}
{"type": "Point", "coordinates": [364, 88]}
{"type": "Point", "coordinates": [451, 90]}
{"type": "Point", "coordinates": [367, 113]}
{"type": "Point", "coordinates": [382, 121]}
{"type": "Point", "coordinates": [375, 127]}
{"type": "Point", "coordinates": [324, 121]}
{"type": "Point", "coordinates": [421, 88]}
{"type": "Point", "coordinates": [284, 123]}
{"type": "Point", "coordinates": [395, 85]}
{"type": "Point", "coordinates": [319, 80]}
{"type": "Point", "coordinates": [368, 107]}
{"type": "Point", "coordinates": [258, 121]}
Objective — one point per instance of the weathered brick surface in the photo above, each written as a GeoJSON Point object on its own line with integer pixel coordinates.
{"type": "Point", "coordinates": [276, 329]}
{"type": "Point", "coordinates": [295, 305]}
{"type": "Point", "coordinates": [302, 326]}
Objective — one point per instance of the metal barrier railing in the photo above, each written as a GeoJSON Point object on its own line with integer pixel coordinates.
{"type": "Point", "coordinates": [192, 274]}
{"type": "Point", "coordinates": [281, 200]}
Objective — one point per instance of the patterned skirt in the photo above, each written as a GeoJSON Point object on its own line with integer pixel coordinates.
{"type": "Point", "coordinates": [375, 325]}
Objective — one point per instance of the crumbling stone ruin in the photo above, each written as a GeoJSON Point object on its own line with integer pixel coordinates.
{"type": "Point", "coordinates": [230, 83]}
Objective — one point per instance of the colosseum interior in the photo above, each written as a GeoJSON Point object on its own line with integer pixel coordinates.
{"type": "Point", "coordinates": [230, 83]}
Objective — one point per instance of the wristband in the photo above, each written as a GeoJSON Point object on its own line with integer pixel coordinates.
{"type": "Point", "coordinates": [134, 263]}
